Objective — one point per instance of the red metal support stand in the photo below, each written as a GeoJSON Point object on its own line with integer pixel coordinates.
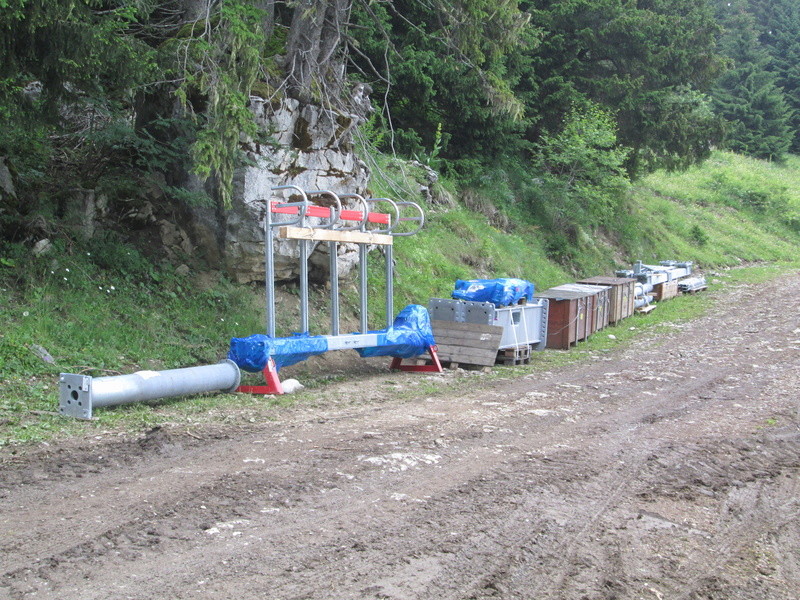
{"type": "Point", "coordinates": [434, 367]}
{"type": "Point", "coordinates": [271, 378]}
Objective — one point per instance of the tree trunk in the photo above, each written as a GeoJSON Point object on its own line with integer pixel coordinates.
{"type": "Point", "coordinates": [314, 37]}
{"type": "Point", "coordinates": [268, 6]}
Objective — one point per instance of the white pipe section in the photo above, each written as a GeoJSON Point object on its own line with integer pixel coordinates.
{"type": "Point", "coordinates": [79, 394]}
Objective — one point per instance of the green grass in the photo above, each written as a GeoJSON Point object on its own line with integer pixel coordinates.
{"type": "Point", "coordinates": [100, 321]}
{"type": "Point", "coordinates": [29, 396]}
{"type": "Point", "coordinates": [730, 210]}
{"type": "Point", "coordinates": [458, 244]}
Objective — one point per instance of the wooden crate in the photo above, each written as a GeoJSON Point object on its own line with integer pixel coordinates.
{"type": "Point", "coordinates": [467, 343]}
{"type": "Point", "coordinates": [665, 291]}
{"type": "Point", "coordinates": [599, 303]}
{"type": "Point", "coordinates": [569, 317]}
{"type": "Point", "coordinates": [621, 297]}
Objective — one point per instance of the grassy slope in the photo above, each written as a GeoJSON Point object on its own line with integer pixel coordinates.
{"type": "Point", "coordinates": [725, 212]}
{"type": "Point", "coordinates": [729, 210]}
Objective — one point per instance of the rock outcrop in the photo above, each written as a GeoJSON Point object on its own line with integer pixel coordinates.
{"type": "Point", "coordinates": [304, 145]}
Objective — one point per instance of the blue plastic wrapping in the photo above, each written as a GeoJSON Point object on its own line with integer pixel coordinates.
{"type": "Point", "coordinates": [299, 347]}
{"type": "Point", "coordinates": [252, 353]}
{"type": "Point", "coordinates": [500, 292]}
{"type": "Point", "coordinates": [410, 335]}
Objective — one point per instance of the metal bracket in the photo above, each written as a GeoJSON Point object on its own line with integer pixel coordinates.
{"type": "Point", "coordinates": [273, 383]}
{"type": "Point", "coordinates": [75, 396]}
{"type": "Point", "coordinates": [434, 367]}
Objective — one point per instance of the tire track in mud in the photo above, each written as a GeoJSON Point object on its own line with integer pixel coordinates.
{"type": "Point", "coordinates": [732, 535]}
{"type": "Point", "coordinates": [609, 492]}
{"type": "Point", "coordinates": [650, 473]}
{"type": "Point", "coordinates": [557, 469]}
{"type": "Point", "coordinates": [614, 493]}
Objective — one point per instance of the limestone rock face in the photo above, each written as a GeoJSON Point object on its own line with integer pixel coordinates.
{"type": "Point", "coordinates": [303, 145]}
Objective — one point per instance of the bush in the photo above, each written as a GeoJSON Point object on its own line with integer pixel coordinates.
{"type": "Point", "coordinates": [585, 179]}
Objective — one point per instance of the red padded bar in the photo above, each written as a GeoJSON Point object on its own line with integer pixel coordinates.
{"type": "Point", "coordinates": [323, 212]}
{"type": "Point", "coordinates": [357, 215]}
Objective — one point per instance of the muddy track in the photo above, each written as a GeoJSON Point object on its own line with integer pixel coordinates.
{"type": "Point", "coordinates": [669, 469]}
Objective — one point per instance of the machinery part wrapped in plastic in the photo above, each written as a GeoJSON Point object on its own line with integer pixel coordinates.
{"type": "Point", "coordinates": [500, 292]}
{"type": "Point", "coordinates": [411, 334]}
{"type": "Point", "coordinates": [252, 353]}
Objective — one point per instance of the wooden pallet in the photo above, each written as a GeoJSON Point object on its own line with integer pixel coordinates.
{"type": "Point", "coordinates": [518, 355]}
{"type": "Point", "coordinates": [695, 290]}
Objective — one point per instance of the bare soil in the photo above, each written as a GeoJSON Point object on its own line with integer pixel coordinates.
{"type": "Point", "coordinates": [668, 469]}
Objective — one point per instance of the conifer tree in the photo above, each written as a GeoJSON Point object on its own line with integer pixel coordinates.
{"type": "Point", "coordinates": [649, 62]}
{"type": "Point", "coordinates": [747, 95]}
{"type": "Point", "coordinates": [779, 32]}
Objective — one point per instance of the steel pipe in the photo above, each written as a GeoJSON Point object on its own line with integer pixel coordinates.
{"type": "Point", "coordinates": [79, 394]}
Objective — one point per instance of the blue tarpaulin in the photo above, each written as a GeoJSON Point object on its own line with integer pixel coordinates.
{"type": "Point", "coordinates": [500, 292]}
{"type": "Point", "coordinates": [410, 335]}
{"type": "Point", "coordinates": [251, 353]}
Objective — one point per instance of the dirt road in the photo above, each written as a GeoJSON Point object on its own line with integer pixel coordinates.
{"type": "Point", "coordinates": [667, 470]}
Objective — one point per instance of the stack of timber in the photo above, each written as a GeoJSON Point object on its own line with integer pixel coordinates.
{"type": "Point", "coordinates": [466, 344]}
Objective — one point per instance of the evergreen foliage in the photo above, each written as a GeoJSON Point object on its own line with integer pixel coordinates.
{"type": "Point", "coordinates": [447, 64]}
{"type": "Point", "coordinates": [647, 61]}
{"type": "Point", "coordinates": [585, 167]}
{"type": "Point", "coordinates": [779, 33]}
{"type": "Point", "coordinates": [220, 65]}
{"type": "Point", "coordinates": [747, 95]}
{"type": "Point", "coordinates": [66, 69]}
{"type": "Point", "coordinates": [555, 105]}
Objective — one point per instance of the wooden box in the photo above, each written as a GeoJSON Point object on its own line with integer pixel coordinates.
{"type": "Point", "coordinates": [600, 304]}
{"type": "Point", "coordinates": [665, 291]}
{"type": "Point", "coordinates": [569, 316]}
{"type": "Point", "coordinates": [621, 295]}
